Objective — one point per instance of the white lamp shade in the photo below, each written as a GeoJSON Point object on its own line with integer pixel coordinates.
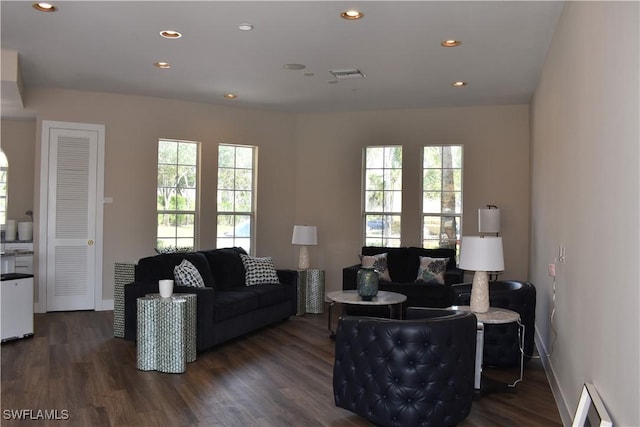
{"type": "Point", "coordinates": [481, 253]}
{"type": "Point", "coordinates": [489, 220]}
{"type": "Point", "coordinates": [304, 235]}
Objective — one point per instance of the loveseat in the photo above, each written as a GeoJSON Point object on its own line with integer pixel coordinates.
{"type": "Point", "coordinates": [226, 307]}
{"type": "Point", "coordinates": [403, 265]}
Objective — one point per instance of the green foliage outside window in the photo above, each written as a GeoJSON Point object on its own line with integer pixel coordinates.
{"type": "Point", "coordinates": [177, 193]}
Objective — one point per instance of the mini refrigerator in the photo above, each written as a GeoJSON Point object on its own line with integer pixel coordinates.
{"type": "Point", "coordinates": [16, 297]}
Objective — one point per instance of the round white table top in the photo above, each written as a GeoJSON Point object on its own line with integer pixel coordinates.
{"type": "Point", "coordinates": [495, 315]}
{"type": "Point", "coordinates": [352, 297]}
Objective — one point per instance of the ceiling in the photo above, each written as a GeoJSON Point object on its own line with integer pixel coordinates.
{"type": "Point", "coordinates": [111, 46]}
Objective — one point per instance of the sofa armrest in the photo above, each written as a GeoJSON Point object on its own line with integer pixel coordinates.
{"type": "Point", "coordinates": [205, 306]}
{"type": "Point", "coordinates": [454, 276]}
{"type": "Point", "coordinates": [288, 277]}
{"type": "Point", "coordinates": [349, 277]}
{"type": "Point", "coordinates": [132, 292]}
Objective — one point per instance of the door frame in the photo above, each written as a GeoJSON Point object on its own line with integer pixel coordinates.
{"type": "Point", "coordinates": [47, 126]}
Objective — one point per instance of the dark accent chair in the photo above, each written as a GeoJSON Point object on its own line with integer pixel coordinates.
{"type": "Point", "coordinates": [415, 372]}
{"type": "Point", "coordinates": [501, 346]}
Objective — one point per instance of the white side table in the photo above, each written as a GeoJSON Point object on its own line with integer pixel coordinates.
{"type": "Point", "coordinates": [312, 281]}
{"type": "Point", "coordinates": [495, 316]}
{"type": "Point", "coordinates": [166, 332]}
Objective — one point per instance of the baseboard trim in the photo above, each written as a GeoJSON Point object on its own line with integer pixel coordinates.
{"type": "Point", "coordinates": [556, 390]}
{"type": "Point", "coordinates": [107, 305]}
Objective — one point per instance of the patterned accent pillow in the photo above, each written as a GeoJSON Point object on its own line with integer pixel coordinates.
{"type": "Point", "coordinates": [432, 270]}
{"type": "Point", "coordinates": [379, 263]}
{"type": "Point", "coordinates": [259, 271]}
{"type": "Point", "coordinates": [186, 274]}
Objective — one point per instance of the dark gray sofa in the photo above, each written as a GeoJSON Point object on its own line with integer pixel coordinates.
{"type": "Point", "coordinates": [403, 264]}
{"type": "Point", "coordinates": [226, 308]}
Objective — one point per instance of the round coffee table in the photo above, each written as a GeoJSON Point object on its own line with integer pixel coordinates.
{"type": "Point", "coordinates": [390, 299]}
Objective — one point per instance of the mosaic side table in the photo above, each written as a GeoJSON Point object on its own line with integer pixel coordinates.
{"type": "Point", "coordinates": [312, 281]}
{"type": "Point", "coordinates": [166, 332]}
{"type": "Point", "coordinates": [123, 274]}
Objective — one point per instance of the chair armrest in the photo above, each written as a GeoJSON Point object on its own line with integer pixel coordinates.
{"type": "Point", "coordinates": [349, 277]}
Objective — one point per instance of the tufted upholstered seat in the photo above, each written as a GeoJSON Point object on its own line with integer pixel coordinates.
{"type": "Point", "coordinates": [416, 372]}
{"type": "Point", "coordinates": [501, 346]}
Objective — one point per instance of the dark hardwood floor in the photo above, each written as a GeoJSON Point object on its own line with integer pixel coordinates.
{"type": "Point", "coordinates": [278, 376]}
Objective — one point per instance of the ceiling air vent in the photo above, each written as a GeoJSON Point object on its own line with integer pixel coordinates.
{"type": "Point", "coordinates": [347, 73]}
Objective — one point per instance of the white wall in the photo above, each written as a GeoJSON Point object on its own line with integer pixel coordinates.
{"type": "Point", "coordinates": [329, 175]}
{"type": "Point", "coordinates": [585, 188]}
{"type": "Point", "coordinates": [18, 143]}
{"type": "Point", "coordinates": [133, 126]}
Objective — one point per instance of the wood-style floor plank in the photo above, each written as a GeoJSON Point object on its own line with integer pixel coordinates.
{"type": "Point", "coordinates": [278, 376]}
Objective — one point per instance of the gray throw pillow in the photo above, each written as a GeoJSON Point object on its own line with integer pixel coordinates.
{"type": "Point", "coordinates": [186, 274]}
{"type": "Point", "coordinates": [259, 271]}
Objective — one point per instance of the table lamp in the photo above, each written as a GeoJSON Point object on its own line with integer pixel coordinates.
{"type": "Point", "coordinates": [489, 220]}
{"type": "Point", "coordinates": [304, 235]}
{"type": "Point", "coordinates": [481, 254]}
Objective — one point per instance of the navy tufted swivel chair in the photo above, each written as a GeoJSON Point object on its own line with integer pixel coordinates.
{"type": "Point", "coordinates": [501, 345]}
{"type": "Point", "coordinates": [406, 373]}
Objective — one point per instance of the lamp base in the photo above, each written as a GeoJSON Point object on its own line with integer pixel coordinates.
{"type": "Point", "coordinates": [480, 292]}
{"type": "Point", "coordinates": [303, 261]}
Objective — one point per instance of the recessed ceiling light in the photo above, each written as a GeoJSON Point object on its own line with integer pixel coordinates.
{"type": "Point", "coordinates": [245, 27]}
{"type": "Point", "coordinates": [162, 64]}
{"type": "Point", "coordinates": [44, 7]}
{"type": "Point", "coordinates": [459, 84]}
{"type": "Point", "coordinates": [169, 34]}
{"type": "Point", "coordinates": [352, 14]}
{"type": "Point", "coordinates": [294, 66]}
{"type": "Point", "coordinates": [230, 95]}
{"type": "Point", "coordinates": [451, 43]}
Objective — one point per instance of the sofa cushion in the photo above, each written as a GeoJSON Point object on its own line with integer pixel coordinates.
{"type": "Point", "coordinates": [154, 268]}
{"type": "Point", "coordinates": [234, 302]}
{"type": "Point", "coordinates": [378, 263]}
{"type": "Point", "coordinates": [226, 267]}
{"type": "Point", "coordinates": [414, 254]}
{"type": "Point", "coordinates": [432, 270]}
{"type": "Point", "coordinates": [396, 262]}
{"type": "Point", "coordinates": [187, 274]}
{"type": "Point", "coordinates": [270, 294]}
{"type": "Point", "coordinates": [259, 271]}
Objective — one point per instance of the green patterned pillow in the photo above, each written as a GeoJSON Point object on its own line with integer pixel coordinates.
{"type": "Point", "coordinates": [379, 263]}
{"type": "Point", "coordinates": [432, 270]}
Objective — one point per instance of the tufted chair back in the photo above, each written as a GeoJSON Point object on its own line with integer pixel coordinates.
{"type": "Point", "coordinates": [501, 342]}
{"type": "Point", "coordinates": [401, 373]}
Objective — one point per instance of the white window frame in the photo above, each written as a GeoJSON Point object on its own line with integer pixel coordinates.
{"type": "Point", "coordinates": [235, 227]}
{"type": "Point", "coordinates": [450, 238]}
{"type": "Point", "coordinates": [382, 227]}
{"type": "Point", "coordinates": [178, 242]}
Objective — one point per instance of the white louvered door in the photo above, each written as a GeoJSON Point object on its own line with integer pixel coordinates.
{"type": "Point", "coordinates": [71, 274]}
